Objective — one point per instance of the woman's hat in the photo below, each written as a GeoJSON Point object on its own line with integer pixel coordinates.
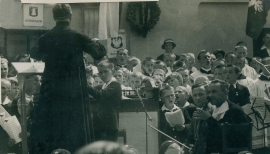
{"type": "Point", "coordinates": [168, 41]}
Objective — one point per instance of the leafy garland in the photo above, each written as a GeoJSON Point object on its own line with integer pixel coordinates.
{"type": "Point", "coordinates": [142, 10]}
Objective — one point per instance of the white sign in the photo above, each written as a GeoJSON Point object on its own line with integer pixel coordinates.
{"type": "Point", "coordinates": [33, 14]}
{"type": "Point", "coordinates": [116, 43]}
{"type": "Point", "coordinates": [79, 1]}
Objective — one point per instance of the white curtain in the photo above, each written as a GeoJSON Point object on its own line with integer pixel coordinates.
{"type": "Point", "coordinates": [108, 20]}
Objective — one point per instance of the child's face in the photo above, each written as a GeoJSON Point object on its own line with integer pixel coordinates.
{"type": "Point", "coordinates": [158, 81]}
{"type": "Point", "coordinates": [174, 82]}
{"type": "Point", "coordinates": [105, 73]}
{"type": "Point", "coordinates": [185, 76]}
{"type": "Point", "coordinates": [168, 98]}
{"type": "Point", "coordinates": [241, 52]}
{"type": "Point", "coordinates": [90, 81]}
{"type": "Point", "coordinates": [122, 57]}
{"type": "Point", "coordinates": [168, 61]}
{"type": "Point", "coordinates": [148, 67]}
{"type": "Point", "coordinates": [135, 82]}
{"type": "Point", "coordinates": [98, 81]}
{"type": "Point", "coordinates": [219, 73]}
{"type": "Point", "coordinates": [119, 77]}
{"type": "Point", "coordinates": [159, 74]}
{"type": "Point", "coordinates": [14, 91]}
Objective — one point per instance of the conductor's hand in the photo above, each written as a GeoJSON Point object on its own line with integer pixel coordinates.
{"type": "Point", "coordinates": [180, 127]}
{"type": "Point", "coordinates": [201, 114]}
{"type": "Point", "coordinates": [11, 142]}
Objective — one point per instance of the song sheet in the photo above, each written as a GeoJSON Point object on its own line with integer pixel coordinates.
{"type": "Point", "coordinates": [175, 118]}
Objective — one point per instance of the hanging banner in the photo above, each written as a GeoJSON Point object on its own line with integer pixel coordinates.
{"type": "Point", "coordinates": [33, 14]}
{"type": "Point", "coordinates": [116, 43]}
{"type": "Point", "coordinates": [79, 1]}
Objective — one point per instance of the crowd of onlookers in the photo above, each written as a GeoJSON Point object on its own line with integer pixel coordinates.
{"type": "Point", "coordinates": [210, 88]}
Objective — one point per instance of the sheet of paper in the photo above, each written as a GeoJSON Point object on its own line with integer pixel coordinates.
{"type": "Point", "coordinates": [175, 118]}
{"type": "Point", "coordinates": [13, 128]}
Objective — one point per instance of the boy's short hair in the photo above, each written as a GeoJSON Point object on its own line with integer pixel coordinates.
{"type": "Point", "coordinates": [162, 71]}
{"type": "Point", "coordinates": [135, 59]}
{"type": "Point", "coordinates": [13, 80]}
{"type": "Point", "coordinates": [171, 55]}
{"type": "Point", "coordinates": [202, 84]}
{"type": "Point", "coordinates": [238, 47]}
{"type": "Point", "coordinates": [224, 86]}
{"type": "Point", "coordinates": [148, 59]}
{"type": "Point", "coordinates": [119, 71]}
{"type": "Point", "coordinates": [220, 66]}
{"type": "Point", "coordinates": [95, 75]}
{"type": "Point", "coordinates": [174, 75]}
{"type": "Point", "coordinates": [184, 55]}
{"type": "Point", "coordinates": [4, 61]}
{"type": "Point", "coordinates": [89, 70]}
{"type": "Point", "coordinates": [6, 81]}
{"type": "Point", "coordinates": [183, 88]}
{"type": "Point", "coordinates": [106, 63]}
{"type": "Point", "coordinates": [201, 79]}
{"type": "Point", "coordinates": [236, 68]}
{"type": "Point", "coordinates": [178, 64]}
{"type": "Point", "coordinates": [199, 55]}
{"type": "Point", "coordinates": [190, 55]}
{"type": "Point", "coordinates": [136, 75]}
{"type": "Point", "coordinates": [166, 87]}
{"type": "Point", "coordinates": [229, 53]}
{"type": "Point", "coordinates": [241, 43]}
{"type": "Point", "coordinates": [161, 63]}
{"type": "Point", "coordinates": [125, 50]}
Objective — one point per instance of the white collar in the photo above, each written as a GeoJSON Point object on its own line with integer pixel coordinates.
{"type": "Point", "coordinates": [106, 84]}
{"type": "Point", "coordinates": [6, 101]}
{"type": "Point", "coordinates": [219, 112]}
{"type": "Point", "coordinates": [165, 108]}
{"type": "Point", "coordinates": [234, 85]}
{"type": "Point", "coordinates": [186, 104]}
{"type": "Point", "coordinates": [206, 69]}
{"type": "Point", "coordinates": [264, 47]}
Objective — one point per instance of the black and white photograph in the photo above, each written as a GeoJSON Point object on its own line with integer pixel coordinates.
{"type": "Point", "coordinates": [135, 77]}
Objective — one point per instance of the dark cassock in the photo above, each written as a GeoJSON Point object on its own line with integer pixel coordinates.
{"type": "Point", "coordinates": [60, 118]}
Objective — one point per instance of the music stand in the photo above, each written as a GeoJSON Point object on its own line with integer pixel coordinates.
{"type": "Point", "coordinates": [25, 69]}
{"type": "Point", "coordinates": [260, 112]}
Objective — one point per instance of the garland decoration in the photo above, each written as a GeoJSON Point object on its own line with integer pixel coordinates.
{"type": "Point", "coordinates": [148, 13]}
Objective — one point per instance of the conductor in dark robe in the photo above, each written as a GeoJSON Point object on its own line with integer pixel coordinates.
{"type": "Point", "coordinates": [61, 117]}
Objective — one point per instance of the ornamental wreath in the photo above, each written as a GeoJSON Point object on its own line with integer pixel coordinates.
{"type": "Point", "coordinates": [148, 13]}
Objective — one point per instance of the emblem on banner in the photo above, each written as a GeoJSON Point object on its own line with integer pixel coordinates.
{"type": "Point", "coordinates": [33, 11]}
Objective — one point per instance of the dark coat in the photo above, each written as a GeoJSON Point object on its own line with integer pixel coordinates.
{"type": "Point", "coordinates": [240, 95]}
{"type": "Point", "coordinates": [235, 115]}
{"type": "Point", "coordinates": [4, 148]}
{"type": "Point", "coordinates": [105, 110]}
{"type": "Point", "coordinates": [160, 57]}
{"type": "Point", "coordinates": [59, 118]}
{"type": "Point", "coordinates": [262, 53]}
{"type": "Point", "coordinates": [105, 115]}
{"type": "Point", "coordinates": [165, 127]}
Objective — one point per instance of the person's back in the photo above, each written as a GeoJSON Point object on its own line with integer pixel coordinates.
{"type": "Point", "coordinates": [63, 93]}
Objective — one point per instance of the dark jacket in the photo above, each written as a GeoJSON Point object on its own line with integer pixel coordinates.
{"type": "Point", "coordinates": [262, 53]}
{"type": "Point", "coordinates": [235, 115]}
{"type": "Point", "coordinates": [61, 113]}
{"type": "Point", "coordinates": [105, 115]}
{"type": "Point", "coordinates": [239, 95]}
{"type": "Point", "coordinates": [165, 127]}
